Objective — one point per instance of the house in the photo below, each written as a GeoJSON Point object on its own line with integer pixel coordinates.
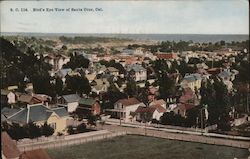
{"type": "Point", "coordinates": [160, 102]}
{"type": "Point", "coordinates": [56, 60]}
{"type": "Point", "coordinates": [154, 112]}
{"type": "Point", "coordinates": [62, 73]}
{"type": "Point", "coordinates": [33, 98]}
{"type": "Point", "coordinates": [112, 71]}
{"type": "Point", "coordinates": [100, 85]}
{"type": "Point", "coordinates": [39, 114]}
{"type": "Point", "coordinates": [9, 147]}
{"type": "Point", "coordinates": [89, 106]}
{"type": "Point", "coordinates": [182, 109]}
{"type": "Point", "coordinates": [125, 109]}
{"type": "Point", "coordinates": [227, 75]}
{"type": "Point", "coordinates": [7, 97]}
{"type": "Point", "coordinates": [69, 101]}
{"type": "Point", "coordinates": [91, 77]}
{"type": "Point", "coordinates": [187, 101]}
{"type": "Point", "coordinates": [98, 68]}
{"type": "Point", "coordinates": [192, 81]}
{"type": "Point", "coordinates": [137, 72]}
{"type": "Point", "coordinates": [28, 99]}
{"type": "Point", "coordinates": [35, 154]}
{"type": "Point", "coordinates": [161, 55]}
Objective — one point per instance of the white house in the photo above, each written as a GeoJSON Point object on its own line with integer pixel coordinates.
{"type": "Point", "coordinates": [8, 96]}
{"type": "Point", "coordinates": [56, 60]}
{"type": "Point", "coordinates": [137, 72]}
{"type": "Point", "coordinates": [70, 101]}
{"type": "Point", "coordinates": [192, 81]}
{"type": "Point", "coordinates": [62, 73]}
{"type": "Point", "coordinates": [125, 108]}
{"type": "Point", "coordinates": [154, 112]}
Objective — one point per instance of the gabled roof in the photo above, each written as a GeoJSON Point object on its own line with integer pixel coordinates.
{"type": "Point", "coordinates": [112, 69]}
{"type": "Point", "coordinates": [192, 77]}
{"type": "Point", "coordinates": [225, 74]}
{"type": "Point", "coordinates": [129, 101]}
{"type": "Point", "coordinates": [27, 98]}
{"type": "Point", "coordinates": [186, 106]}
{"type": "Point", "coordinates": [158, 102]}
{"type": "Point", "coordinates": [87, 101]}
{"type": "Point", "coordinates": [142, 109]}
{"type": "Point", "coordinates": [135, 67]}
{"type": "Point", "coordinates": [159, 108]}
{"type": "Point", "coordinates": [71, 98]}
{"type": "Point", "coordinates": [35, 154]}
{"type": "Point", "coordinates": [61, 111]}
{"type": "Point", "coordinates": [64, 72]}
{"type": "Point", "coordinates": [9, 148]}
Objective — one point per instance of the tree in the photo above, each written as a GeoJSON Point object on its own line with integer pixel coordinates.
{"type": "Point", "coordinates": [46, 130]}
{"type": "Point", "coordinates": [91, 120]}
{"type": "Point", "coordinates": [64, 47]}
{"type": "Point", "coordinates": [17, 132]}
{"type": "Point", "coordinates": [70, 130]}
{"type": "Point", "coordinates": [82, 85]}
{"type": "Point", "coordinates": [169, 118]}
{"type": "Point", "coordinates": [34, 130]}
{"type": "Point", "coordinates": [81, 128]}
{"type": "Point", "coordinates": [166, 86]}
{"type": "Point", "coordinates": [59, 86]}
{"type": "Point", "coordinates": [131, 88]}
{"type": "Point", "coordinates": [77, 61]}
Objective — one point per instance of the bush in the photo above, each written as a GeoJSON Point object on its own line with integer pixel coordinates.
{"type": "Point", "coordinates": [70, 130]}
{"type": "Point", "coordinates": [81, 128]}
{"type": "Point", "coordinates": [46, 130]}
{"type": "Point", "coordinates": [17, 132]}
{"type": "Point", "coordinates": [34, 131]}
{"type": "Point", "coordinates": [59, 134]}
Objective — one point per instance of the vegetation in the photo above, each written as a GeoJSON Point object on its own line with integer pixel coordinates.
{"type": "Point", "coordinates": [180, 46]}
{"type": "Point", "coordinates": [141, 147]}
{"type": "Point", "coordinates": [29, 130]}
{"type": "Point", "coordinates": [90, 39]}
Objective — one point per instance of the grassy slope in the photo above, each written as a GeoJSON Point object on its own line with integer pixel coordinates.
{"type": "Point", "coordinates": [139, 147]}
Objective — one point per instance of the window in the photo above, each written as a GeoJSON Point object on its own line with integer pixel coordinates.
{"type": "Point", "coordinates": [53, 125]}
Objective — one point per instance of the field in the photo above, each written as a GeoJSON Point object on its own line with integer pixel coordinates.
{"type": "Point", "coordinates": [140, 147]}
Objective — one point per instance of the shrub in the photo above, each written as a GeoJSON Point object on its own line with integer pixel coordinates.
{"type": "Point", "coordinates": [34, 130]}
{"type": "Point", "coordinates": [46, 130]}
{"type": "Point", "coordinates": [70, 130]}
{"type": "Point", "coordinates": [81, 128]}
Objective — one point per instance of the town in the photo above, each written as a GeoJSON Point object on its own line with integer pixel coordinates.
{"type": "Point", "coordinates": [57, 87]}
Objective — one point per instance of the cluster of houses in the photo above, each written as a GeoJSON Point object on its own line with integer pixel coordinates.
{"type": "Point", "coordinates": [38, 109]}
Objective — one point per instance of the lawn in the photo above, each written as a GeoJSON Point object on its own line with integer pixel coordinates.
{"type": "Point", "coordinates": [140, 147]}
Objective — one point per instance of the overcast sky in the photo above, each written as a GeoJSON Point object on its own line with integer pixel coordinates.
{"type": "Point", "coordinates": [189, 17]}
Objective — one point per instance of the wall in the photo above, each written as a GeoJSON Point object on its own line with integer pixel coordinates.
{"type": "Point", "coordinates": [61, 123]}
{"type": "Point", "coordinates": [72, 106]}
{"type": "Point", "coordinates": [59, 141]}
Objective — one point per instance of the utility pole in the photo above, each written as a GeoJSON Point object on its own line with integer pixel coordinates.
{"type": "Point", "coordinates": [247, 99]}
{"type": "Point", "coordinates": [120, 109]}
{"type": "Point", "coordinates": [201, 119]}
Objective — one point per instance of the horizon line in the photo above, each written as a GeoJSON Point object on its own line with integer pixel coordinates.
{"type": "Point", "coordinates": [125, 33]}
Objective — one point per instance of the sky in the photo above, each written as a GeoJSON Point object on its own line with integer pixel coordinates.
{"type": "Point", "coordinates": [134, 17]}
